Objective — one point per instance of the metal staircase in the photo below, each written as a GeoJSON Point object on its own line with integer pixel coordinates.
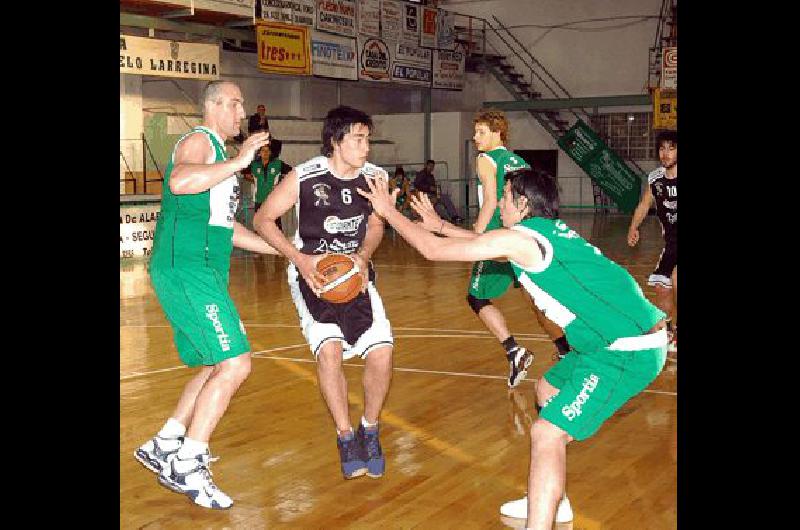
{"type": "Point", "coordinates": [496, 50]}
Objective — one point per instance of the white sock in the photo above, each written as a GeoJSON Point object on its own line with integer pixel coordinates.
{"type": "Point", "coordinates": [367, 424]}
{"type": "Point", "coordinates": [172, 429]}
{"type": "Point", "coordinates": [191, 448]}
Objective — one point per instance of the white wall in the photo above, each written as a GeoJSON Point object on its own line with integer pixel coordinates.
{"type": "Point", "coordinates": [130, 124]}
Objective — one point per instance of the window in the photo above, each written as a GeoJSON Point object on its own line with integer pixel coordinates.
{"type": "Point", "coordinates": [628, 133]}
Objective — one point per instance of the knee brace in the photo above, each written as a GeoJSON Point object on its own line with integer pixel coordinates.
{"type": "Point", "coordinates": [477, 303]}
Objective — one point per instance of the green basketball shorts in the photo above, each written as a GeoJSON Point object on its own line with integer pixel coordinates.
{"type": "Point", "coordinates": [490, 279]}
{"type": "Point", "coordinates": [205, 324]}
{"type": "Point", "coordinates": [592, 386]}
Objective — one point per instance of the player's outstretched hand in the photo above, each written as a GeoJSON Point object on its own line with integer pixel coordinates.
{"type": "Point", "coordinates": [382, 201]}
{"type": "Point", "coordinates": [633, 237]}
{"type": "Point", "coordinates": [252, 144]}
{"type": "Point", "coordinates": [307, 267]}
{"type": "Point", "coordinates": [422, 205]}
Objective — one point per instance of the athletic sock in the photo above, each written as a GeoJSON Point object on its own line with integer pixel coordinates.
{"type": "Point", "coordinates": [562, 345]}
{"type": "Point", "coordinates": [191, 448]}
{"type": "Point", "coordinates": [366, 424]}
{"type": "Point", "coordinates": [511, 346]}
{"type": "Point", "coordinates": [172, 429]}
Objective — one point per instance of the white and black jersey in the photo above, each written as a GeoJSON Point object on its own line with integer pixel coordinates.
{"type": "Point", "coordinates": [665, 193]}
{"type": "Point", "coordinates": [333, 217]}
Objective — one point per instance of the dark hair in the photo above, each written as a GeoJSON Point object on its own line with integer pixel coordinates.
{"type": "Point", "coordinates": [337, 125]}
{"type": "Point", "coordinates": [667, 136]}
{"type": "Point", "coordinates": [539, 187]}
{"type": "Point", "coordinates": [275, 146]}
{"type": "Point", "coordinates": [430, 162]}
{"type": "Point", "coordinates": [399, 169]}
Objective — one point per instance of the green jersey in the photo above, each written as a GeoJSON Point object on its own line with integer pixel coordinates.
{"type": "Point", "coordinates": [265, 177]}
{"type": "Point", "coordinates": [594, 300]}
{"type": "Point", "coordinates": [196, 230]}
{"type": "Point", "coordinates": [504, 161]}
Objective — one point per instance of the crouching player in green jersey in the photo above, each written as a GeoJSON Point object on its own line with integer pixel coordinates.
{"type": "Point", "coordinates": [189, 268]}
{"type": "Point", "coordinates": [618, 338]}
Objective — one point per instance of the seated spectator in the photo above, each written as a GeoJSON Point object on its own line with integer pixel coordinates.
{"type": "Point", "coordinates": [400, 180]}
{"type": "Point", "coordinates": [425, 182]}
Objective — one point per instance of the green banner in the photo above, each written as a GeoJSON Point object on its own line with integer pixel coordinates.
{"type": "Point", "coordinates": [603, 165]}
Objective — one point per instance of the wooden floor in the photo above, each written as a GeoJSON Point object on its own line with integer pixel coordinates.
{"type": "Point", "coordinates": [456, 439]}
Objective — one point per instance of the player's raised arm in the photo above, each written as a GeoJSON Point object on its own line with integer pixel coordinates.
{"type": "Point", "coordinates": [497, 244]}
{"type": "Point", "coordinates": [433, 223]}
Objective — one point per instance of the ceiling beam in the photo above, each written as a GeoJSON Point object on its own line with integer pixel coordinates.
{"type": "Point", "coordinates": [221, 32]}
{"type": "Point", "coordinates": [572, 103]}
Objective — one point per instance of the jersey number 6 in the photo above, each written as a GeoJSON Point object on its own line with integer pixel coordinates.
{"type": "Point", "coordinates": [346, 198]}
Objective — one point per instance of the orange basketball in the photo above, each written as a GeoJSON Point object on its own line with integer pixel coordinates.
{"type": "Point", "coordinates": [343, 280]}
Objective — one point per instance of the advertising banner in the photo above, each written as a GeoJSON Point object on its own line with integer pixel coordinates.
{"type": "Point", "coordinates": [665, 109]}
{"type": "Point", "coordinates": [374, 59]}
{"type": "Point", "coordinates": [283, 48]}
{"type": "Point", "coordinates": [334, 56]}
{"type": "Point", "coordinates": [411, 65]}
{"type": "Point", "coordinates": [391, 20]}
{"type": "Point", "coordinates": [427, 35]}
{"type": "Point", "coordinates": [297, 12]}
{"type": "Point", "coordinates": [189, 60]}
{"type": "Point", "coordinates": [669, 68]}
{"type": "Point", "coordinates": [410, 28]}
{"type": "Point", "coordinates": [603, 165]}
{"type": "Point", "coordinates": [137, 225]}
{"type": "Point", "coordinates": [448, 68]}
{"type": "Point", "coordinates": [369, 17]}
{"type": "Point", "coordinates": [337, 16]}
{"type": "Point", "coordinates": [446, 30]}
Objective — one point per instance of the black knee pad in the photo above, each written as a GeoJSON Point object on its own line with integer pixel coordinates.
{"type": "Point", "coordinates": [477, 303]}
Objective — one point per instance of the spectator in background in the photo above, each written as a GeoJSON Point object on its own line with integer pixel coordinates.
{"type": "Point", "coordinates": [267, 170]}
{"type": "Point", "coordinates": [400, 180]}
{"type": "Point", "coordinates": [426, 183]}
{"type": "Point", "coordinates": [258, 121]}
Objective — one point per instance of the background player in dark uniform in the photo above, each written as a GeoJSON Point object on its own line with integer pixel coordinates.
{"type": "Point", "coordinates": [662, 189]}
{"type": "Point", "coordinates": [333, 217]}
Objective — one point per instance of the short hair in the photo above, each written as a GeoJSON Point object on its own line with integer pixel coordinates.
{"type": "Point", "coordinates": [211, 92]}
{"type": "Point", "coordinates": [261, 105]}
{"type": "Point", "coordinates": [539, 187]}
{"type": "Point", "coordinates": [275, 147]}
{"type": "Point", "coordinates": [399, 169]}
{"type": "Point", "coordinates": [430, 162]}
{"type": "Point", "coordinates": [667, 136]}
{"type": "Point", "coordinates": [496, 121]}
{"type": "Point", "coordinates": [337, 124]}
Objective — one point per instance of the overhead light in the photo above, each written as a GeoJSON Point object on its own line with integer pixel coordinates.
{"type": "Point", "coordinates": [631, 117]}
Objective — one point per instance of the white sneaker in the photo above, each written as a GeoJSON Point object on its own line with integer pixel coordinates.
{"type": "Point", "coordinates": [192, 477]}
{"type": "Point", "coordinates": [518, 366]}
{"type": "Point", "coordinates": [519, 509]}
{"type": "Point", "coordinates": [154, 452]}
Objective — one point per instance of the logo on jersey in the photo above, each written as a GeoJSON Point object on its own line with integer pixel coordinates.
{"type": "Point", "coordinates": [515, 164]}
{"type": "Point", "coordinates": [659, 191]}
{"type": "Point", "coordinates": [672, 205]}
{"type": "Point", "coordinates": [574, 409]}
{"type": "Point", "coordinates": [336, 246]}
{"type": "Point", "coordinates": [212, 313]}
{"type": "Point", "coordinates": [347, 227]}
{"type": "Point", "coordinates": [321, 193]}
{"type": "Point", "coordinates": [672, 218]}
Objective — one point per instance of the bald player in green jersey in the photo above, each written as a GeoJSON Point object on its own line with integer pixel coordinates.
{"type": "Point", "coordinates": [189, 269]}
{"type": "Point", "coordinates": [490, 279]}
{"type": "Point", "coordinates": [618, 338]}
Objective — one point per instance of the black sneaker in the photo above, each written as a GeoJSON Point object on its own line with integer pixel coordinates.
{"type": "Point", "coordinates": [518, 362]}
{"type": "Point", "coordinates": [376, 463]}
{"type": "Point", "coordinates": [351, 454]}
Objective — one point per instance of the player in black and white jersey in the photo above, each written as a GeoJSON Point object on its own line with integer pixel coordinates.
{"type": "Point", "coordinates": [662, 190]}
{"type": "Point", "coordinates": [333, 217]}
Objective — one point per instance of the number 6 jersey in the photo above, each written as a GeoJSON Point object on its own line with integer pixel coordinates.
{"type": "Point", "coordinates": [331, 215]}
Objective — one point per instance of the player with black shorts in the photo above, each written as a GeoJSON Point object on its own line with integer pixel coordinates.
{"type": "Point", "coordinates": [333, 217]}
{"type": "Point", "coordinates": [662, 191]}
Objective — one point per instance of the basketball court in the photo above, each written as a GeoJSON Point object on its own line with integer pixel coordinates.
{"type": "Point", "coordinates": [456, 439]}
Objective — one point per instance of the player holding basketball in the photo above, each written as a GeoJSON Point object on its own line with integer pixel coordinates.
{"type": "Point", "coordinates": [491, 279]}
{"type": "Point", "coordinates": [618, 337]}
{"type": "Point", "coordinates": [332, 217]}
{"type": "Point", "coordinates": [189, 269]}
{"type": "Point", "coordinates": [662, 188]}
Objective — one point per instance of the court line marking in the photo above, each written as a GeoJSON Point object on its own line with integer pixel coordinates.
{"type": "Point", "coordinates": [261, 355]}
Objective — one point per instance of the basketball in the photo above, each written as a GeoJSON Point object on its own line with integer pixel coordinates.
{"type": "Point", "coordinates": [343, 280]}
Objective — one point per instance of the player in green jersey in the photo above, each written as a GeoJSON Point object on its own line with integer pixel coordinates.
{"type": "Point", "coordinates": [189, 269]}
{"type": "Point", "coordinates": [618, 337]}
{"type": "Point", "coordinates": [490, 278]}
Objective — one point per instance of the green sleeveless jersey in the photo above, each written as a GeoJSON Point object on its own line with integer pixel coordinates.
{"type": "Point", "coordinates": [594, 300]}
{"type": "Point", "coordinates": [265, 177]}
{"type": "Point", "coordinates": [196, 230]}
{"type": "Point", "coordinates": [504, 161]}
